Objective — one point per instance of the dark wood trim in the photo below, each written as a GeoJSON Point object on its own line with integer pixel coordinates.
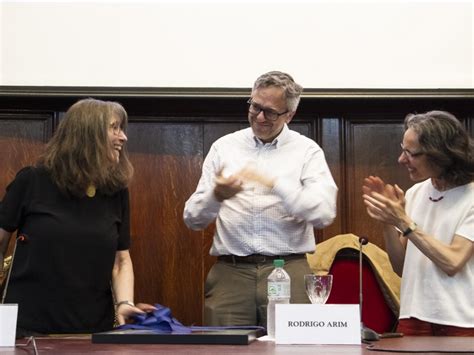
{"type": "Point", "coordinates": [200, 92]}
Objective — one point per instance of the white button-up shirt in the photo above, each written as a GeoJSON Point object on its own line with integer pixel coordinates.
{"type": "Point", "coordinates": [260, 220]}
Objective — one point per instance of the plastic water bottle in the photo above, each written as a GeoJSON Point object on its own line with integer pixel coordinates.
{"type": "Point", "coordinates": [278, 291]}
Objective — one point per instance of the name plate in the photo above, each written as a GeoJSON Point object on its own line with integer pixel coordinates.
{"type": "Point", "coordinates": [8, 318]}
{"type": "Point", "coordinates": [317, 324]}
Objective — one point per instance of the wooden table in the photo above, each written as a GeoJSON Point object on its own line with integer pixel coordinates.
{"type": "Point", "coordinates": [83, 345]}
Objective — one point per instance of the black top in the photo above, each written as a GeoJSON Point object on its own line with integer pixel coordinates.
{"type": "Point", "coordinates": [61, 275]}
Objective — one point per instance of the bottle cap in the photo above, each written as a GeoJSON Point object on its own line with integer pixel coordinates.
{"type": "Point", "coordinates": [278, 262]}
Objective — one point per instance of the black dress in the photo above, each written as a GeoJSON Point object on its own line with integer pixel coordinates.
{"type": "Point", "coordinates": [61, 275]}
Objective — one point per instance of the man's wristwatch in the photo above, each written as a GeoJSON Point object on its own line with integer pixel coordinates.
{"type": "Point", "coordinates": [411, 228]}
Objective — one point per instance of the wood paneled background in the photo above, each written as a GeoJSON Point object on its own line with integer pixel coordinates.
{"type": "Point", "coordinates": [170, 132]}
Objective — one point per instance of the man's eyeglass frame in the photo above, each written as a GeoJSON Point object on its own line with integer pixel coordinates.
{"type": "Point", "coordinates": [269, 114]}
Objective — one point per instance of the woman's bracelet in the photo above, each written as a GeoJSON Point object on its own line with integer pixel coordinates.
{"type": "Point", "coordinates": [130, 303]}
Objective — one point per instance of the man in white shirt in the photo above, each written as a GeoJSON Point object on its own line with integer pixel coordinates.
{"type": "Point", "coordinates": [266, 187]}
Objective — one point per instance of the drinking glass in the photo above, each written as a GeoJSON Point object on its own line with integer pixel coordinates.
{"type": "Point", "coordinates": [318, 287]}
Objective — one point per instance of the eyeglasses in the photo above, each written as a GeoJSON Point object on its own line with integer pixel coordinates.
{"type": "Point", "coordinates": [269, 114]}
{"type": "Point", "coordinates": [116, 128]}
{"type": "Point", "coordinates": [409, 154]}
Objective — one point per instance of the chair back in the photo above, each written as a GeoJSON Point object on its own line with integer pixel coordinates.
{"type": "Point", "coordinates": [339, 256]}
{"type": "Point", "coordinates": [376, 313]}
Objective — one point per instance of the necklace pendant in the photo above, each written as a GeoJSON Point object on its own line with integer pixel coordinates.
{"type": "Point", "coordinates": [90, 191]}
{"type": "Point", "coordinates": [436, 199]}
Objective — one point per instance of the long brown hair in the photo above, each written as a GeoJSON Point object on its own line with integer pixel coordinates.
{"type": "Point", "coordinates": [78, 155]}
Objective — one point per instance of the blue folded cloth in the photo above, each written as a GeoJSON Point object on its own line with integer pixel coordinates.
{"type": "Point", "coordinates": [162, 322]}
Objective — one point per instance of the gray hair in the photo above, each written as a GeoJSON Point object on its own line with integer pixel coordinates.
{"type": "Point", "coordinates": [446, 143]}
{"type": "Point", "coordinates": [291, 89]}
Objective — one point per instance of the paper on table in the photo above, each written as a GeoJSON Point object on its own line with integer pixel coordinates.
{"type": "Point", "coordinates": [8, 318]}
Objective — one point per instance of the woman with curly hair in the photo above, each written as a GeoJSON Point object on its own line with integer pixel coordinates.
{"type": "Point", "coordinates": [429, 232]}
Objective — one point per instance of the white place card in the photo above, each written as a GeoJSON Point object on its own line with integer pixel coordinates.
{"type": "Point", "coordinates": [8, 318]}
{"type": "Point", "coordinates": [317, 324]}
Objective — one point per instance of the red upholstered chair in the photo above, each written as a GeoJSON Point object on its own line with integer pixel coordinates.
{"type": "Point", "coordinates": [376, 312]}
{"type": "Point", "coordinates": [339, 256]}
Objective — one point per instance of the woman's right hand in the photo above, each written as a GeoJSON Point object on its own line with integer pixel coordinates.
{"type": "Point", "coordinates": [384, 202]}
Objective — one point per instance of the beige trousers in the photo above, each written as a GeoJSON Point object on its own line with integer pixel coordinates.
{"type": "Point", "coordinates": [236, 294]}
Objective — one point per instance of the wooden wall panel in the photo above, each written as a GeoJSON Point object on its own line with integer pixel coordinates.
{"type": "Point", "coordinates": [331, 142]}
{"type": "Point", "coordinates": [170, 134]}
{"type": "Point", "coordinates": [22, 138]}
{"type": "Point", "coordinates": [167, 158]}
{"type": "Point", "coordinates": [214, 130]}
{"type": "Point", "coordinates": [372, 148]}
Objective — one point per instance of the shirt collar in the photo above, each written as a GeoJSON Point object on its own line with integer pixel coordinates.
{"type": "Point", "coordinates": [277, 141]}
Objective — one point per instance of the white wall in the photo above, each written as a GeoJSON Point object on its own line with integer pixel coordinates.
{"type": "Point", "coordinates": [323, 44]}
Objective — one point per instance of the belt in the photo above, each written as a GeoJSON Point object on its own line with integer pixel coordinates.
{"type": "Point", "coordinates": [257, 258]}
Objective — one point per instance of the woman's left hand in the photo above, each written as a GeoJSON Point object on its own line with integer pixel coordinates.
{"type": "Point", "coordinates": [126, 311]}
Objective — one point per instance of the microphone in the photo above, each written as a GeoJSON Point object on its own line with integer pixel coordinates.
{"type": "Point", "coordinates": [365, 333]}
{"type": "Point", "coordinates": [23, 239]}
